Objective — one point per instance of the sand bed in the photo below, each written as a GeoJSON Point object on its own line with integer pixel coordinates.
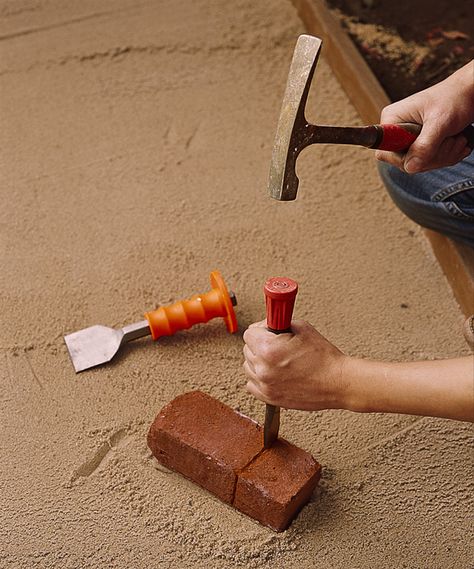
{"type": "Point", "coordinates": [136, 141]}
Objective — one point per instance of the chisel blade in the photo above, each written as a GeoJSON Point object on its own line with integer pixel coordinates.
{"type": "Point", "coordinates": [271, 426]}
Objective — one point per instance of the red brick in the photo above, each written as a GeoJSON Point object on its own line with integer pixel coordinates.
{"type": "Point", "coordinates": [277, 484]}
{"type": "Point", "coordinates": [204, 440]}
{"type": "Point", "coordinates": [222, 451]}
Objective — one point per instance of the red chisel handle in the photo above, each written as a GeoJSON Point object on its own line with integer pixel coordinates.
{"type": "Point", "coordinates": [399, 137]}
{"type": "Point", "coordinates": [280, 295]}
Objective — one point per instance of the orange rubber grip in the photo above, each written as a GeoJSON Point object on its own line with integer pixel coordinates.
{"type": "Point", "coordinates": [200, 308]}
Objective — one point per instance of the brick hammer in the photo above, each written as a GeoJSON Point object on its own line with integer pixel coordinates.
{"type": "Point", "coordinates": [294, 132]}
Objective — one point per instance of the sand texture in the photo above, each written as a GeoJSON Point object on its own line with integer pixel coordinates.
{"type": "Point", "coordinates": [136, 139]}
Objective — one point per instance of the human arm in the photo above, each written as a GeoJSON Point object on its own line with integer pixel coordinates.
{"type": "Point", "coordinates": [443, 110]}
{"type": "Point", "coordinates": [305, 371]}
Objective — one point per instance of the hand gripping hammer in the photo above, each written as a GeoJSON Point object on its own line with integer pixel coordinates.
{"type": "Point", "coordinates": [294, 132]}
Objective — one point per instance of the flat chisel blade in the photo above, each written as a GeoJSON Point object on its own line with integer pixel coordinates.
{"type": "Point", "coordinates": [98, 344]}
{"type": "Point", "coordinates": [92, 346]}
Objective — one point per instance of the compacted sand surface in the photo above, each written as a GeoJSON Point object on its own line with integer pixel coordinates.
{"type": "Point", "coordinates": [136, 139]}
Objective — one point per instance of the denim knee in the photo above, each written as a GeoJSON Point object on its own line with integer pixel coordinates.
{"type": "Point", "coordinates": [441, 199]}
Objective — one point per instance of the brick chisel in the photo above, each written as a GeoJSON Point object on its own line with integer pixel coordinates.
{"type": "Point", "coordinates": [280, 295]}
{"type": "Point", "coordinates": [97, 345]}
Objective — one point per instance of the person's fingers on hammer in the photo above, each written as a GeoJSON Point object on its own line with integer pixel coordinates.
{"type": "Point", "coordinates": [396, 113]}
{"type": "Point", "coordinates": [394, 158]}
{"type": "Point", "coordinates": [422, 152]}
{"type": "Point", "coordinates": [457, 152]}
{"type": "Point", "coordinates": [399, 112]}
{"type": "Point", "coordinates": [461, 150]}
{"type": "Point", "coordinates": [450, 151]}
{"type": "Point", "coordinates": [466, 152]}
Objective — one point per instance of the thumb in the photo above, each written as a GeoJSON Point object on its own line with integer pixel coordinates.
{"type": "Point", "coordinates": [423, 151]}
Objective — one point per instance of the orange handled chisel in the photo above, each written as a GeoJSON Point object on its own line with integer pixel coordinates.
{"type": "Point", "coordinates": [97, 345]}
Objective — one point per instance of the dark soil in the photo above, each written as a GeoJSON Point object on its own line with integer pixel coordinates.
{"type": "Point", "coordinates": [409, 45]}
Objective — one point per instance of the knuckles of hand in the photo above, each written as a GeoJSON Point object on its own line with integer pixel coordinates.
{"type": "Point", "coordinates": [267, 375]}
{"type": "Point", "coordinates": [270, 352]}
{"type": "Point", "coordinates": [263, 373]}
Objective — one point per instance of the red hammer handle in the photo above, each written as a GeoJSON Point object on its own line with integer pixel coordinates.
{"type": "Point", "coordinates": [399, 137]}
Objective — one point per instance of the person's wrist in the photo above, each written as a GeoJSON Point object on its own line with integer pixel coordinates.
{"type": "Point", "coordinates": [465, 75]}
{"type": "Point", "coordinates": [463, 83]}
{"type": "Point", "coordinates": [348, 395]}
{"type": "Point", "coordinates": [359, 375]}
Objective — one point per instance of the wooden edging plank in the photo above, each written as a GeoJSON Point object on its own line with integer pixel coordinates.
{"type": "Point", "coordinates": [368, 98]}
{"type": "Point", "coordinates": [457, 262]}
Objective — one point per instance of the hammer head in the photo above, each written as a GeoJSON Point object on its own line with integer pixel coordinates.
{"type": "Point", "coordinates": [292, 125]}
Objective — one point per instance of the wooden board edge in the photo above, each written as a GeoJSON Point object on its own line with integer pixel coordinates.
{"type": "Point", "coordinates": [369, 98]}
{"type": "Point", "coordinates": [457, 262]}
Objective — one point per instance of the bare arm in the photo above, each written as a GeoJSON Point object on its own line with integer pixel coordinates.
{"type": "Point", "coordinates": [304, 371]}
{"type": "Point", "coordinates": [443, 110]}
{"type": "Point", "coordinates": [441, 388]}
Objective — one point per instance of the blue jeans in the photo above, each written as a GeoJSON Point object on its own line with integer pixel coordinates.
{"type": "Point", "coordinates": [441, 199]}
